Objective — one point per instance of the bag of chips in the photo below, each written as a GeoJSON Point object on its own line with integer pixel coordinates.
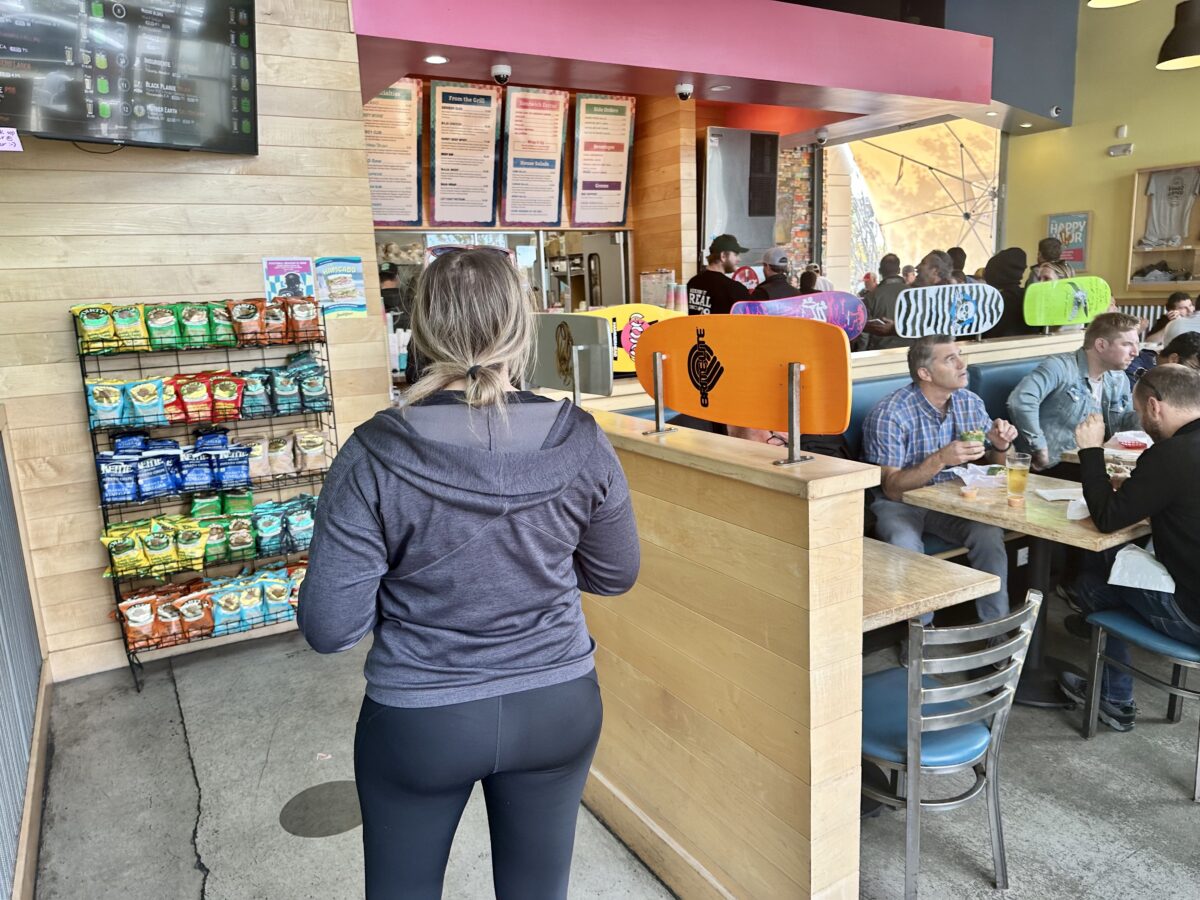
{"type": "Point", "coordinates": [311, 455]}
{"type": "Point", "coordinates": [241, 537]}
{"type": "Point", "coordinates": [158, 474]}
{"type": "Point", "coordinates": [126, 552]}
{"type": "Point", "coordinates": [280, 454]}
{"type": "Point", "coordinates": [211, 439]}
{"type": "Point", "coordinates": [130, 442]}
{"type": "Point", "coordinates": [233, 468]}
{"type": "Point", "coordinates": [285, 393]}
{"type": "Point", "coordinates": [268, 525]}
{"type": "Point", "coordinates": [276, 591]}
{"type": "Point", "coordinates": [247, 318]}
{"type": "Point", "coordinates": [227, 610]}
{"type": "Point", "coordinates": [196, 396]}
{"type": "Point", "coordinates": [162, 321]}
{"type": "Point", "coordinates": [256, 395]}
{"type": "Point", "coordinates": [196, 472]}
{"type": "Point", "coordinates": [299, 521]}
{"type": "Point", "coordinates": [118, 477]}
{"type": "Point", "coordinates": [105, 401]}
{"type": "Point", "coordinates": [216, 545]}
{"type": "Point", "coordinates": [275, 322]}
{"type": "Point", "coordinates": [258, 463]}
{"type": "Point", "coordinates": [195, 611]}
{"type": "Point", "coordinates": [304, 319]}
{"type": "Point", "coordinates": [204, 505]}
{"type": "Point", "coordinates": [145, 404]}
{"type": "Point", "coordinates": [253, 612]}
{"type": "Point", "coordinates": [173, 407]}
{"type": "Point", "coordinates": [296, 573]}
{"type": "Point", "coordinates": [162, 444]}
{"type": "Point", "coordinates": [220, 325]}
{"type": "Point", "coordinates": [193, 324]}
{"type": "Point", "coordinates": [94, 325]}
{"type": "Point", "coordinates": [130, 324]}
{"type": "Point", "coordinates": [138, 617]}
{"type": "Point", "coordinates": [168, 629]}
{"type": "Point", "coordinates": [190, 541]}
{"type": "Point", "coordinates": [238, 503]}
{"type": "Point", "coordinates": [227, 397]}
{"type": "Point", "coordinates": [159, 547]}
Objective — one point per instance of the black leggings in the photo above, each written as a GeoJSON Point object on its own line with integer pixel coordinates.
{"type": "Point", "coordinates": [416, 768]}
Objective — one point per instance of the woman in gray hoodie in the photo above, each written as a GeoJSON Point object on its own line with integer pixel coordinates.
{"type": "Point", "coordinates": [459, 530]}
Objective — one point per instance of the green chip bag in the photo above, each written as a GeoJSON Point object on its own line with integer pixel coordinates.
{"type": "Point", "coordinates": [220, 325]}
{"type": "Point", "coordinates": [162, 321]}
{"type": "Point", "coordinates": [193, 324]}
{"type": "Point", "coordinates": [216, 547]}
{"type": "Point", "coordinates": [238, 503]}
{"type": "Point", "coordinates": [206, 505]}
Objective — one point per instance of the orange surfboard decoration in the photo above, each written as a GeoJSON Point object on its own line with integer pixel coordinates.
{"type": "Point", "coordinates": [734, 370]}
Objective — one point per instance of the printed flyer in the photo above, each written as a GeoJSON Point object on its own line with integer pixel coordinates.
{"type": "Point", "coordinates": [341, 290]}
{"type": "Point", "coordinates": [392, 127]}
{"type": "Point", "coordinates": [603, 148]}
{"type": "Point", "coordinates": [535, 133]}
{"type": "Point", "coordinates": [465, 139]}
{"type": "Point", "coordinates": [288, 276]}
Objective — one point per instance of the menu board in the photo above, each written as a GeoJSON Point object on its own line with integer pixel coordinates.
{"type": "Point", "coordinates": [464, 129]}
{"type": "Point", "coordinates": [535, 133]}
{"type": "Point", "coordinates": [163, 73]}
{"type": "Point", "coordinates": [603, 145]}
{"type": "Point", "coordinates": [392, 127]}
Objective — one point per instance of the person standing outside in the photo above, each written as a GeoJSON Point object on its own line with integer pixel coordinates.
{"type": "Point", "coordinates": [459, 530]}
{"type": "Point", "coordinates": [1165, 487]}
{"type": "Point", "coordinates": [934, 269]}
{"type": "Point", "coordinates": [712, 290]}
{"type": "Point", "coordinates": [1063, 390]}
{"type": "Point", "coordinates": [881, 304]}
{"type": "Point", "coordinates": [916, 434]}
{"type": "Point", "coordinates": [823, 283]}
{"type": "Point", "coordinates": [909, 274]}
{"type": "Point", "coordinates": [775, 284]}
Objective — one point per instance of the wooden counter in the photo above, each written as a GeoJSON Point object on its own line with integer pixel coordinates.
{"type": "Point", "coordinates": [732, 671]}
{"type": "Point", "coordinates": [899, 584]}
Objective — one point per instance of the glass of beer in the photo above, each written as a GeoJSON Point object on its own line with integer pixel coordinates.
{"type": "Point", "coordinates": [1017, 466]}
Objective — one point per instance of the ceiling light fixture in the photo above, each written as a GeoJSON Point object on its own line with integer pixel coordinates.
{"type": "Point", "coordinates": [717, 88]}
{"type": "Point", "coordinates": [1026, 124]}
{"type": "Point", "coordinates": [1181, 49]}
{"type": "Point", "coordinates": [437, 60]}
{"type": "Point", "coordinates": [1109, 4]}
{"type": "Point", "coordinates": [991, 112]}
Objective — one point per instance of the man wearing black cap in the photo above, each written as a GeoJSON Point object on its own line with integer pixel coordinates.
{"type": "Point", "coordinates": [713, 291]}
{"type": "Point", "coordinates": [775, 285]}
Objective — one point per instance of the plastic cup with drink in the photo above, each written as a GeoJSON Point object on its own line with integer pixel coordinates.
{"type": "Point", "coordinates": [1017, 468]}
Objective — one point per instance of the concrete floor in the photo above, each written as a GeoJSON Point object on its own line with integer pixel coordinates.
{"type": "Point", "coordinates": [204, 785]}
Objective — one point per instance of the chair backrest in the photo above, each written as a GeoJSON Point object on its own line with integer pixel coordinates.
{"type": "Point", "coordinates": [943, 651]}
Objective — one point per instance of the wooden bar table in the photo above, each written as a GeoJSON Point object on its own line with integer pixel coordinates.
{"type": "Point", "coordinates": [1046, 522]}
{"type": "Point", "coordinates": [899, 584]}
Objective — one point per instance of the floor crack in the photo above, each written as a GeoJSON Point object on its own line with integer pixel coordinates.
{"type": "Point", "coordinates": [195, 778]}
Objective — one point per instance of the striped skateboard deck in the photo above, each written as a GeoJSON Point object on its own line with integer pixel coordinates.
{"type": "Point", "coordinates": [1068, 301]}
{"type": "Point", "coordinates": [627, 322]}
{"type": "Point", "coordinates": [959, 310]}
{"type": "Point", "coordinates": [838, 308]}
{"type": "Point", "coordinates": [734, 370]}
{"type": "Point", "coordinates": [556, 334]}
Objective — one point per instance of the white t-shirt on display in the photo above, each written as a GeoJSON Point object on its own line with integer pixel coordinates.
{"type": "Point", "coordinates": [1172, 195]}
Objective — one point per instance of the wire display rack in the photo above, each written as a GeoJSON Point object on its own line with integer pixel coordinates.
{"type": "Point", "coordinates": [140, 363]}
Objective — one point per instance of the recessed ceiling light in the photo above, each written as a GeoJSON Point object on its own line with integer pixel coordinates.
{"type": "Point", "coordinates": [437, 60]}
{"type": "Point", "coordinates": [991, 112]}
{"type": "Point", "coordinates": [721, 87]}
{"type": "Point", "coordinates": [1026, 124]}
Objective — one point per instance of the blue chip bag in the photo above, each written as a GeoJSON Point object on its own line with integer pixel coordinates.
{"type": "Point", "coordinates": [105, 402]}
{"type": "Point", "coordinates": [277, 593]}
{"type": "Point", "coordinates": [211, 439]}
{"type": "Point", "coordinates": [162, 444]}
{"type": "Point", "coordinates": [286, 392]}
{"type": "Point", "coordinates": [145, 404]}
{"type": "Point", "coordinates": [233, 467]}
{"type": "Point", "coordinates": [268, 527]}
{"type": "Point", "coordinates": [118, 477]}
{"type": "Point", "coordinates": [298, 518]}
{"type": "Point", "coordinates": [158, 474]}
{"type": "Point", "coordinates": [196, 472]}
{"type": "Point", "coordinates": [130, 442]}
{"type": "Point", "coordinates": [227, 609]}
{"type": "Point", "coordinates": [256, 395]}
{"type": "Point", "coordinates": [253, 611]}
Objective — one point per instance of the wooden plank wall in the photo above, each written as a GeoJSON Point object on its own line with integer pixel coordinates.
{"type": "Point", "coordinates": [663, 200]}
{"type": "Point", "coordinates": [142, 224]}
{"type": "Point", "coordinates": [731, 676]}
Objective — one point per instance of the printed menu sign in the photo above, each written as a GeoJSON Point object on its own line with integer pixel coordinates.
{"type": "Point", "coordinates": [464, 132]}
{"type": "Point", "coordinates": [535, 130]}
{"type": "Point", "coordinates": [603, 144]}
{"type": "Point", "coordinates": [392, 126]}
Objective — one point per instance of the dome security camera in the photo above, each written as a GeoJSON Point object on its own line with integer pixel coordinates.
{"type": "Point", "coordinates": [1056, 111]}
{"type": "Point", "coordinates": [822, 136]}
{"type": "Point", "coordinates": [684, 90]}
{"type": "Point", "coordinates": [501, 74]}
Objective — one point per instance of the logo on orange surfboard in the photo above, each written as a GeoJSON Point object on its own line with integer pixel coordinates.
{"type": "Point", "coordinates": [734, 370]}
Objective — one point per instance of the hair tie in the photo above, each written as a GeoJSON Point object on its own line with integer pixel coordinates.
{"type": "Point", "coordinates": [473, 372]}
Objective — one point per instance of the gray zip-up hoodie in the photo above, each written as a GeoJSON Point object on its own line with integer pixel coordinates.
{"type": "Point", "coordinates": [464, 543]}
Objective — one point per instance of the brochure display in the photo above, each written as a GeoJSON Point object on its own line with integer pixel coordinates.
{"type": "Point", "coordinates": [464, 123]}
{"type": "Point", "coordinates": [603, 150]}
{"type": "Point", "coordinates": [392, 131]}
{"type": "Point", "coordinates": [535, 132]}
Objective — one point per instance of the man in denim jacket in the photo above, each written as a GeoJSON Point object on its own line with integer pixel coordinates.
{"type": "Point", "coordinates": [1063, 390]}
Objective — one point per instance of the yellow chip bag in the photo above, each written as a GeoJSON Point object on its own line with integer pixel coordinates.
{"type": "Point", "coordinates": [130, 324]}
{"type": "Point", "coordinates": [94, 324]}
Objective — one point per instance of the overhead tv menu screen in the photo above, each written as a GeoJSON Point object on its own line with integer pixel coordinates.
{"type": "Point", "coordinates": [171, 73]}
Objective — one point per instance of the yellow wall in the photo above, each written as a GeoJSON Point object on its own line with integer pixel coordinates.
{"type": "Point", "coordinates": [1067, 170]}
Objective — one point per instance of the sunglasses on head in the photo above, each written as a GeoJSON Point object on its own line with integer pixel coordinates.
{"type": "Point", "coordinates": [444, 249]}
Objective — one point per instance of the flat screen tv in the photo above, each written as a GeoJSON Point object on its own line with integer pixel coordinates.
{"type": "Point", "coordinates": [153, 73]}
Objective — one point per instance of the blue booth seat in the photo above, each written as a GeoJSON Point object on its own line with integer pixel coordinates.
{"type": "Point", "coordinates": [993, 382]}
{"type": "Point", "coordinates": [864, 397]}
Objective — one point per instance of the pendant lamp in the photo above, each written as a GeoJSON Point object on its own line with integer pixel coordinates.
{"type": "Point", "coordinates": [1181, 49]}
{"type": "Point", "coordinates": [1109, 4]}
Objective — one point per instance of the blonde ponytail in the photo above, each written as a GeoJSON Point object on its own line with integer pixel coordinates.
{"type": "Point", "coordinates": [470, 319]}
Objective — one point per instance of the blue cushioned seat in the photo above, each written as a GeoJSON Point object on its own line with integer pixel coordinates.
{"type": "Point", "coordinates": [885, 724]}
{"type": "Point", "coordinates": [644, 412]}
{"type": "Point", "coordinates": [864, 396]}
{"type": "Point", "coordinates": [1135, 630]}
{"type": "Point", "coordinates": [993, 382]}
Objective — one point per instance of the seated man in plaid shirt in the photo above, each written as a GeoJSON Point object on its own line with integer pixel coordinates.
{"type": "Point", "coordinates": [916, 435]}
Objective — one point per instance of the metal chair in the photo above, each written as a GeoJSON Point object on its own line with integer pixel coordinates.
{"type": "Point", "coordinates": [1134, 630]}
{"type": "Point", "coordinates": [917, 722]}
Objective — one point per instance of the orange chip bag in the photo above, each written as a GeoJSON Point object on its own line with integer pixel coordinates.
{"type": "Point", "coordinates": [305, 318]}
{"type": "Point", "coordinates": [138, 613]}
{"type": "Point", "coordinates": [247, 317]}
{"type": "Point", "coordinates": [275, 322]}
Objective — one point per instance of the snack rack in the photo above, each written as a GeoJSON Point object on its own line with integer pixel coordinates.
{"type": "Point", "coordinates": [138, 364]}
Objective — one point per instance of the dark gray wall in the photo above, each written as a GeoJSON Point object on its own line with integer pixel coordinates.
{"type": "Point", "coordinates": [1033, 54]}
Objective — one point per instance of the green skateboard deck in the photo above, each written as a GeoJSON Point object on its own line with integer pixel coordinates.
{"type": "Point", "coordinates": [1068, 301]}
